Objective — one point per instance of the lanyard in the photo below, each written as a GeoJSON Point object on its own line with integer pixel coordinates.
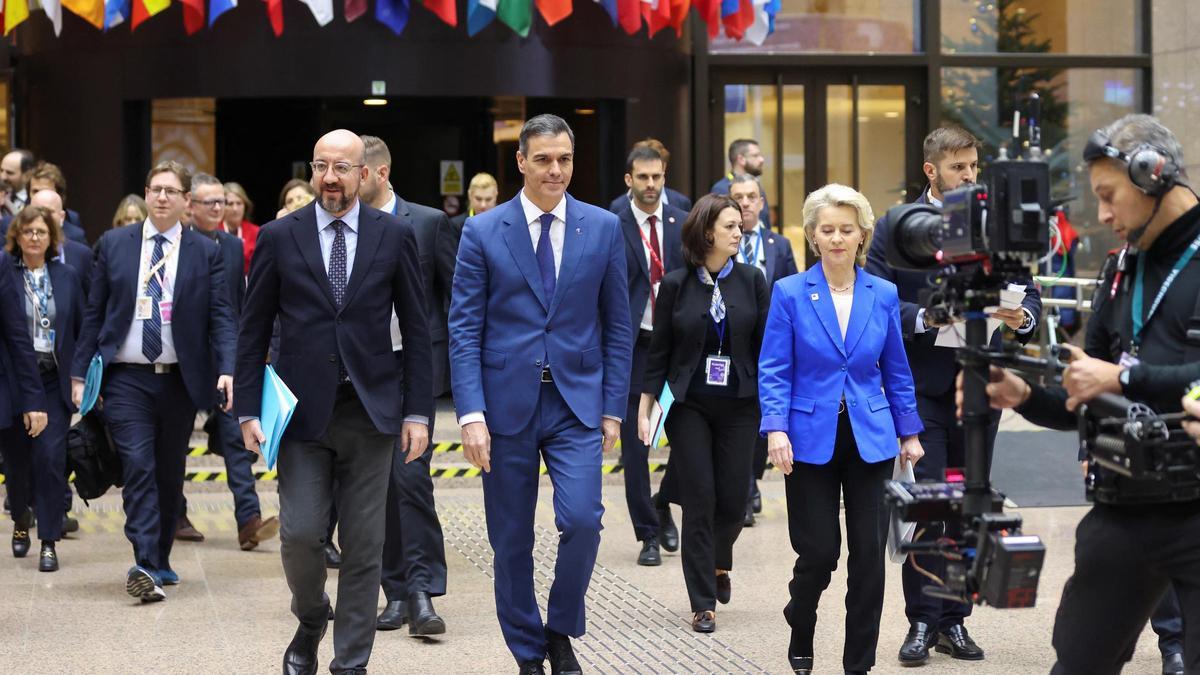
{"type": "Point", "coordinates": [159, 268]}
{"type": "Point", "coordinates": [757, 246]}
{"type": "Point", "coordinates": [1138, 322]}
{"type": "Point", "coordinates": [39, 292]}
{"type": "Point", "coordinates": [720, 326]}
{"type": "Point", "coordinates": [654, 259]}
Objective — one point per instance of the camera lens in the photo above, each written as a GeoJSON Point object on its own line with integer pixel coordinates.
{"type": "Point", "coordinates": [917, 235]}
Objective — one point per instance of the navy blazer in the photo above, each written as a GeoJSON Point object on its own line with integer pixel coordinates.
{"type": "Point", "coordinates": [234, 257]}
{"type": "Point", "coordinates": [806, 368]}
{"type": "Point", "coordinates": [675, 199]}
{"type": "Point", "coordinates": [68, 318]}
{"type": "Point", "coordinates": [73, 228]}
{"type": "Point", "coordinates": [502, 327]}
{"type": "Point", "coordinates": [18, 364]}
{"type": "Point", "coordinates": [427, 224]}
{"type": "Point", "coordinates": [780, 260]}
{"type": "Point", "coordinates": [933, 367]}
{"type": "Point", "coordinates": [202, 323]}
{"type": "Point", "coordinates": [721, 187]}
{"type": "Point", "coordinates": [635, 256]}
{"type": "Point", "coordinates": [288, 280]}
{"type": "Point", "coordinates": [79, 258]}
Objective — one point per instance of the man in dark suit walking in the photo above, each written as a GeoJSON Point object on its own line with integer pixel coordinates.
{"type": "Point", "coordinates": [745, 157]}
{"type": "Point", "coordinates": [333, 272]}
{"type": "Point", "coordinates": [414, 553]}
{"type": "Point", "coordinates": [951, 160]}
{"type": "Point", "coordinates": [651, 229]}
{"type": "Point", "coordinates": [539, 348]}
{"type": "Point", "coordinates": [47, 176]}
{"type": "Point", "coordinates": [76, 255]}
{"type": "Point", "coordinates": [668, 196]}
{"type": "Point", "coordinates": [159, 363]}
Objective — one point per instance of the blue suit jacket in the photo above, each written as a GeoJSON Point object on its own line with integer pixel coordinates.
{"type": "Point", "coordinates": [635, 256]}
{"type": "Point", "coordinates": [18, 365]}
{"type": "Point", "coordinates": [288, 281]}
{"type": "Point", "coordinates": [933, 367]}
{"type": "Point", "coordinates": [233, 256]}
{"type": "Point", "coordinates": [805, 368]}
{"type": "Point", "coordinates": [780, 260]}
{"type": "Point", "coordinates": [68, 317]}
{"type": "Point", "coordinates": [79, 258]}
{"type": "Point", "coordinates": [721, 187]}
{"type": "Point", "coordinates": [503, 329]}
{"type": "Point", "coordinates": [202, 325]}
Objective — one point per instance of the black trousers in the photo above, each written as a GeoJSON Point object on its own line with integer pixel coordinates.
{"type": "Point", "coordinates": [35, 468]}
{"type": "Point", "coordinates": [1125, 559]}
{"type": "Point", "coordinates": [711, 438]}
{"type": "Point", "coordinates": [635, 454]}
{"type": "Point", "coordinates": [414, 552]}
{"type": "Point", "coordinates": [812, 504]}
{"type": "Point", "coordinates": [942, 441]}
{"type": "Point", "coordinates": [1167, 622]}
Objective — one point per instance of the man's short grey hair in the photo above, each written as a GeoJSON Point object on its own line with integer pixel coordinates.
{"type": "Point", "coordinates": [835, 194]}
{"type": "Point", "coordinates": [1130, 131]}
{"type": "Point", "coordinates": [544, 125]}
{"type": "Point", "coordinates": [205, 179]}
{"type": "Point", "coordinates": [739, 178]}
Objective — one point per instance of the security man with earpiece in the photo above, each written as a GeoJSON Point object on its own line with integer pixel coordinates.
{"type": "Point", "coordinates": [1141, 536]}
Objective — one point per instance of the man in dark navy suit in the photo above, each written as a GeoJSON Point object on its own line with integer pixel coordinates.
{"type": "Point", "coordinates": [669, 196]}
{"type": "Point", "coordinates": [333, 272]}
{"type": "Point", "coordinates": [745, 156]}
{"type": "Point", "coordinates": [652, 237]}
{"type": "Point", "coordinates": [224, 434]}
{"type": "Point", "coordinates": [158, 314]}
{"type": "Point", "coordinates": [47, 176]}
{"type": "Point", "coordinates": [414, 553]}
{"type": "Point", "coordinates": [951, 160]}
{"type": "Point", "coordinates": [74, 254]}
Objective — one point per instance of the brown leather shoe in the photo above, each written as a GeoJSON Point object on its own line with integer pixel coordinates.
{"type": "Point", "coordinates": [257, 530]}
{"type": "Point", "coordinates": [185, 531]}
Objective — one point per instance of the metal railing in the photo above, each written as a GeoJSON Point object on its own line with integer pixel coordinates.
{"type": "Point", "coordinates": [1083, 292]}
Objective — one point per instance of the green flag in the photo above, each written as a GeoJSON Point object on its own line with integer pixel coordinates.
{"type": "Point", "coordinates": [517, 15]}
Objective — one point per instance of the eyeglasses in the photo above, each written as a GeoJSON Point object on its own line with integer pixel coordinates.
{"type": "Point", "coordinates": [340, 169]}
{"type": "Point", "coordinates": [160, 189]}
{"type": "Point", "coordinates": [210, 203]}
{"type": "Point", "coordinates": [35, 234]}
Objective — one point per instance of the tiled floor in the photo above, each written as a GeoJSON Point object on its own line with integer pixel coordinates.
{"type": "Point", "coordinates": [230, 615]}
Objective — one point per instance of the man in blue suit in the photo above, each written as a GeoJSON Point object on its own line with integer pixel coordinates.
{"type": "Point", "coordinates": [652, 233]}
{"type": "Point", "coordinates": [333, 272]}
{"type": "Point", "coordinates": [540, 347]}
{"type": "Point", "coordinates": [158, 315]}
{"type": "Point", "coordinates": [951, 160]}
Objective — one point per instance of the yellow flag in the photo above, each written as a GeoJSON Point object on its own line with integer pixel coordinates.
{"type": "Point", "coordinates": [15, 11]}
{"type": "Point", "coordinates": [155, 6]}
{"type": "Point", "coordinates": [91, 11]}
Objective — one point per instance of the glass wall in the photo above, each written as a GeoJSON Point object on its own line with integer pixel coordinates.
{"type": "Point", "coordinates": [1048, 26]}
{"type": "Point", "coordinates": [851, 26]}
{"type": "Point", "coordinates": [751, 111]}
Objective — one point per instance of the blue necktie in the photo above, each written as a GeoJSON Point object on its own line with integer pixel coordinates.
{"type": "Point", "coordinates": [337, 279]}
{"type": "Point", "coordinates": [545, 256]}
{"type": "Point", "coordinates": [152, 327]}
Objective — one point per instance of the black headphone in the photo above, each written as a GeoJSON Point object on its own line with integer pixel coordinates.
{"type": "Point", "coordinates": [1150, 169]}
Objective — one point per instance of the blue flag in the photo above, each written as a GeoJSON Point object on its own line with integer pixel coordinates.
{"type": "Point", "coordinates": [610, 6]}
{"type": "Point", "coordinates": [393, 14]}
{"type": "Point", "coordinates": [480, 13]}
{"type": "Point", "coordinates": [217, 8]}
{"type": "Point", "coordinates": [115, 12]}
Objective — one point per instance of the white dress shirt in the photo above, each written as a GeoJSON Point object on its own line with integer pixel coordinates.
{"type": "Point", "coordinates": [131, 348]}
{"type": "Point", "coordinates": [558, 229]}
{"type": "Point", "coordinates": [757, 245]}
{"type": "Point", "coordinates": [326, 235]}
{"type": "Point", "coordinates": [643, 221]}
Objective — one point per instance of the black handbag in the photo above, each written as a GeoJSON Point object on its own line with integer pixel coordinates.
{"type": "Point", "coordinates": [92, 456]}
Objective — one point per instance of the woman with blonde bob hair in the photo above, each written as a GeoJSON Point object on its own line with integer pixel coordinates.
{"type": "Point", "coordinates": [835, 392]}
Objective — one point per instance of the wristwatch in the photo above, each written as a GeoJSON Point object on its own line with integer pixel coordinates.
{"type": "Point", "coordinates": [1123, 378]}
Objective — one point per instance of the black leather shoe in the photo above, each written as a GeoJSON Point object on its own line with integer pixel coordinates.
{"type": "Point", "coordinates": [955, 642]}
{"type": "Point", "coordinates": [668, 534]}
{"type": "Point", "coordinates": [70, 525]}
{"type": "Point", "coordinates": [562, 657]}
{"type": "Point", "coordinates": [48, 560]}
{"type": "Point", "coordinates": [915, 650]}
{"type": "Point", "coordinates": [704, 622]}
{"type": "Point", "coordinates": [394, 616]}
{"type": "Point", "coordinates": [724, 588]}
{"type": "Point", "coordinates": [532, 668]}
{"type": "Point", "coordinates": [333, 557]}
{"type": "Point", "coordinates": [1173, 664]}
{"type": "Point", "coordinates": [755, 498]}
{"type": "Point", "coordinates": [422, 620]}
{"type": "Point", "coordinates": [749, 520]}
{"type": "Point", "coordinates": [20, 538]}
{"type": "Point", "coordinates": [802, 665]}
{"type": "Point", "coordinates": [301, 655]}
{"type": "Point", "coordinates": [650, 556]}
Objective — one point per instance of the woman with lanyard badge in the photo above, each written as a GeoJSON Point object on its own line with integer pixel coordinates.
{"type": "Point", "coordinates": [54, 308]}
{"type": "Point", "coordinates": [708, 325]}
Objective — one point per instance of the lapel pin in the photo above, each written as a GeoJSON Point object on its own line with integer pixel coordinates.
{"type": "Point", "coordinates": [671, 219]}
{"type": "Point", "coordinates": [579, 230]}
{"type": "Point", "coordinates": [816, 296]}
{"type": "Point", "coordinates": [771, 240]}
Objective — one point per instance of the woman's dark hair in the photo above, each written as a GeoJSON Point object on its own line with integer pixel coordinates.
{"type": "Point", "coordinates": [26, 217]}
{"type": "Point", "coordinates": [697, 229]}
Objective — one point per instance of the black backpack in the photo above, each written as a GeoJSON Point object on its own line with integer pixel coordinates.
{"type": "Point", "coordinates": [92, 455]}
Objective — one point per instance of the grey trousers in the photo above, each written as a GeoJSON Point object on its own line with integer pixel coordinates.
{"type": "Point", "coordinates": [359, 458]}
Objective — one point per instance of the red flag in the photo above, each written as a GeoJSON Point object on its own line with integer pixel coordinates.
{"type": "Point", "coordinates": [193, 15]}
{"type": "Point", "coordinates": [139, 14]}
{"type": "Point", "coordinates": [445, 10]}
{"type": "Point", "coordinates": [656, 18]}
{"type": "Point", "coordinates": [737, 23]}
{"type": "Point", "coordinates": [710, 14]}
{"type": "Point", "coordinates": [679, 14]}
{"type": "Point", "coordinates": [274, 13]}
{"type": "Point", "coordinates": [629, 15]}
{"type": "Point", "coordinates": [355, 9]}
{"type": "Point", "coordinates": [554, 11]}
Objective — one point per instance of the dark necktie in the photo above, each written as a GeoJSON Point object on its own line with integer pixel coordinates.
{"type": "Point", "coordinates": [656, 264]}
{"type": "Point", "coordinates": [748, 250]}
{"type": "Point", "coordinates": [337, 279]}
{"type": "Point", "coordinates": [545, 256]}
{"type": "Point", "coordinates": [152, 327]}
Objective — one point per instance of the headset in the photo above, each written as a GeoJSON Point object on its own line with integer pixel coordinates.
{"type": "Point", "coordinates": [1150, 169]}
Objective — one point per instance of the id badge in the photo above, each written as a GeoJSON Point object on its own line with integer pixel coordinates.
{"type": "Point", "coordinates": [144, 308]}
{"type": "Point", "coordinates": [1127, 360]}
{"type": "Point", "coordinates": [716, 370]}
{"type": "Point", "coordinates": [43, 340]}
{"type": "Point", "coordinates": [164, 311]}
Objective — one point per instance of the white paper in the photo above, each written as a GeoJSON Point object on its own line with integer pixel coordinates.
{"type": "Point", "coordinates": [955, 335]}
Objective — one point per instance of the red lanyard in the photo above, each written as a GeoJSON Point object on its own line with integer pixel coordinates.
{"type": "Point", "coordinates": [654, 259]}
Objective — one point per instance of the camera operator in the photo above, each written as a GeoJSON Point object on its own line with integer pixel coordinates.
{"type": "Point", "coordinates": [951, 161]}
{"type": "Point", "coordinates": [1138, 538]}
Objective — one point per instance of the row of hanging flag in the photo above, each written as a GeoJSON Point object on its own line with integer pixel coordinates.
{"type": "Point", "coordinates": [751, 20]}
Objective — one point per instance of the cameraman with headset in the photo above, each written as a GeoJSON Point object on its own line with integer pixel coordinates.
{"type": "Point", "coordinates": [1140, 536]}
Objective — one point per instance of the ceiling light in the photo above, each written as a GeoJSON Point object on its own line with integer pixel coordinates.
{"type": "Point", "coordinates": [374, 101]}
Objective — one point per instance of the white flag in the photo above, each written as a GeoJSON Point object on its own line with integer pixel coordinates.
{"type": "Point", "coordinates": [53, 9]}
{"type": "Point", "coordinates": [322, 10]}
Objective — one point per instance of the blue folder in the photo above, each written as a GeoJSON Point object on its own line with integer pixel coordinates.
{"type": "Point", "coordinates": [91, 385]}
{"type": "Point", "coordinates": [278, 404]}
{"type": "Point", "coordinates": [664, 403]}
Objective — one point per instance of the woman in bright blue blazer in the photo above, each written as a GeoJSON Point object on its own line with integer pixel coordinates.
{"type": "Point", "coordinates": [836, 392]}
